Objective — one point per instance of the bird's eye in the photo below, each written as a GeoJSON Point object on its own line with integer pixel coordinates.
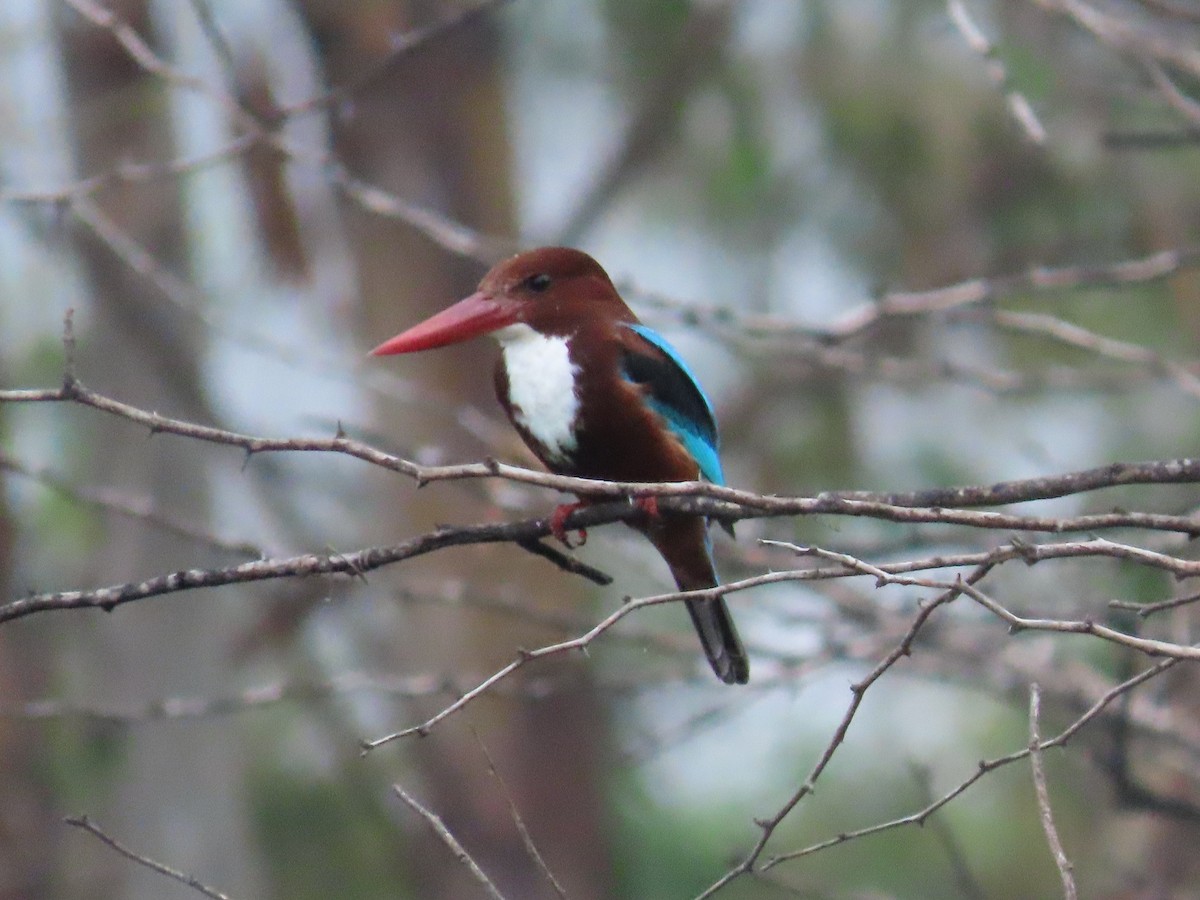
{"type": "Point", "coordinates": [538, 283]}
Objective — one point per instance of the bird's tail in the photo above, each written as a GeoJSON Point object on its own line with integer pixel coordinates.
{"type": "Point", "coordinates": [721, 643]}
{"type": "Point", "coordinates": [684, 545]}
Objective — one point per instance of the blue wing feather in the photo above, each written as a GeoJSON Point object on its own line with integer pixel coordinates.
{"type": "Point", "coordinates": [676, 395]}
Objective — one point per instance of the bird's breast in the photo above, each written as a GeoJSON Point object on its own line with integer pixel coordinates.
{"type": "Point", "coordinates": [542, 389]}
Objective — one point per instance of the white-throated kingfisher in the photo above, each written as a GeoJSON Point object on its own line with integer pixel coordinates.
{"type": "Point", "coordinates": [597, 394]}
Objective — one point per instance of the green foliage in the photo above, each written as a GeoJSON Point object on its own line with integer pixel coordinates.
{"type": "Point", "coordinates": [320, 840]}
{"type": "Point", "coordinates": [661, 853]}
{"type": "Point", "coordinates": [83, 758]}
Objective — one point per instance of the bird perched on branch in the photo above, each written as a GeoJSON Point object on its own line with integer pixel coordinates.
{"type": "Point", "coordinates": [597, 394]}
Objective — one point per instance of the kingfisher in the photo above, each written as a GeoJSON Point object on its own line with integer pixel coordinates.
{"type": "Point", "coordinates": [595, 393]}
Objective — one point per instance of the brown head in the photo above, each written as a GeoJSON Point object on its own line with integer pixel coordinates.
{"type": "Point", "coordinates": [551, 289]}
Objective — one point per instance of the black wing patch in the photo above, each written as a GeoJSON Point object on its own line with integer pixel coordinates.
{"type": "Point", "coordinates": [673, 393]}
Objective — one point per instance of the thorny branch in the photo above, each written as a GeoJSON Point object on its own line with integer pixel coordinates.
{"type": "Point", "coordinates": [726, 503]}
{"type": "Point", "coordinates": [984, 767]}
{"type": "Point", "coordinates": [938, 506]}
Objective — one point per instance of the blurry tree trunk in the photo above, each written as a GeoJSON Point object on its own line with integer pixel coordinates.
{"type": "Point", "coordinates": [433, 131]}
{"type": "Point", "coordinates": [176, 793]}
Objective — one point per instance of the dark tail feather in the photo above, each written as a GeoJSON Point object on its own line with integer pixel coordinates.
{"type": "Point", "coordinates": [720, 639]}
{"type": "Point", "coordinates": [683, 543]}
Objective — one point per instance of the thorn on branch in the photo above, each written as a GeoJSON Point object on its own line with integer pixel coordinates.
{"type": "Point", "coordinates": [353, 566]}
{"type": "Point", "coordinates": [70, 381]}
{"type": "Point", "coordinates": [1028, 552]}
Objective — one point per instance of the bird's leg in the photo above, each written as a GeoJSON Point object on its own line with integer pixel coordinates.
{"type": "Point", "coordinates": [558, 520]}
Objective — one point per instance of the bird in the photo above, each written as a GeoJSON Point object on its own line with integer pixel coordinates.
{"type": "Point", "coordinates": [595, 393]}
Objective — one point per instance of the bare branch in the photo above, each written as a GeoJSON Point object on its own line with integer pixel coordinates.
{"type": "Point", "coordinates": [1125, 35]}
{"type": "Point", "coordinates": [354, 564]}
{"type": "Point", "coordinates": [270, 694]}
{"type": "Point", "coordinates": [858, 691]}
{"type": "Point", "coordinates": [968, 885]}
{"type": "Point", "coordinates": [1148, 609]}
{"type": "Point", "coordinates": [522, 830]}
{"type": "Point", "coordinates": [1065, 869]}
{"type": "Point", "coordinates": [969, 293]}
{"type": "Point", "coordinates": [897, 507]}
{"type": "Point", "coordinates": [140, 509]}
{"type": "Point", "coordinates": [1018, 104]}
{"type": "Point", "coordinates": [403, 46]}
{"type": "Point", "coordinates": [87, 825]}
{"type": "Point", "coordinates": [1084, 626]}
{"type": "Point", "coordinates": [450, 235]}
{"type": "Point", "coordinates": [984, 768]}
{"type": "Point", "coordinates": [439, 828]}
{"type": "Point", "coordinates": [527, 656]}
{"type": "Point", "coordinates": [1075, 336]}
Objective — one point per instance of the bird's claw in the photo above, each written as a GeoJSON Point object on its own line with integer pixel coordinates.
{"type": "Point", "coordinates": [558, 520]}
{"type": "Point", "coordinates": [648, 505]}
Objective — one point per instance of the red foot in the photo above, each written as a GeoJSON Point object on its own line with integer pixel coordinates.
{"type": "Point", "coordinates": [558, 520]}
{"type": "Point", "coordinates": [648, 505]}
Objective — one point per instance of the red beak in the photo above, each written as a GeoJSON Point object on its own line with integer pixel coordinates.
{"type": "Point", "coordinates": [478, 314]}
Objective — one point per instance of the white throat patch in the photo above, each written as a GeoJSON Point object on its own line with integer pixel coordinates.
{"type": "Point", "coordinates": [541, 387]}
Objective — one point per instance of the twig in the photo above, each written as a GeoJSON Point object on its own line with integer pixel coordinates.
{"type": "Point", "coordinates": [1148, 646]}
{"type": "Point", "coordinates": [1074, 335]}
{"type": "Point", "coordinates": [565, 562]}
{"type": "Point", "coordinates": [978, 291]}
{"type": "Point", "coordinates": [403, 46]}
{"type": "Point", "coordinates": [1125, 35]}
{"type": "Point", "coordinates": [139, 509]}
{"type": "Point", "coordinates": [968, 885]}
{"type": "Point", "coordinates": [1148, 609]}
{"type": "Point", "coordinates": [522, 830]}
{"type": "Point", "coordinates": [1018, 104]}
{"type": "Point", "coordinates": [87, 825]}
{"type": "Point", "coordinates": [269, 694]}
{"type": "Point", "coordinates": [1175, 97]}
{"type": "Point", "coordinates": [524, 658]}
{"type": "Point", "coordinates": [439, 828]}
{"type": "Point", "coordinates": [1043, 796]}
{"type": "Point", "coordinates": [216, 38]}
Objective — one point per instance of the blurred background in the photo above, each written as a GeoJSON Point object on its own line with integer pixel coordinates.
{"type": "Point", "coordinates": [239, 197]}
